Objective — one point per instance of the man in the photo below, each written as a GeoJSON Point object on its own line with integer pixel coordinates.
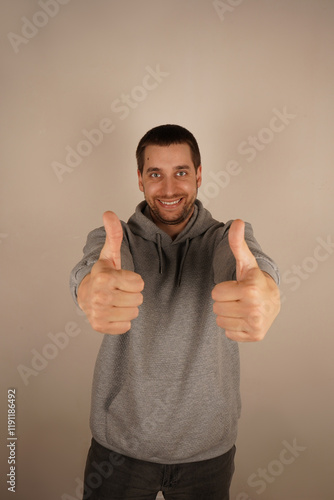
{"type": "Point", "coordinates": [174, 291]}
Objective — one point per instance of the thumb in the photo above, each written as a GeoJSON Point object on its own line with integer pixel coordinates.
{"type": "Point", "coordinates": [245, 260]}
{"type": "Point", "coordinates": [111, 250]}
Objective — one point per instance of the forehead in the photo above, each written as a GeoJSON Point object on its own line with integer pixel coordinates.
{"type": "Point", "coordinates": [174, 155]}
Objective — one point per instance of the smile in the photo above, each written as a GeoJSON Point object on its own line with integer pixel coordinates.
{"type": "Point", "coordinates": [170, 203]}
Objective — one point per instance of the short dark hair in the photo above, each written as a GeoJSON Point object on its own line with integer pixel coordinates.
{"type": "Point", "coordinates": [165, 135]}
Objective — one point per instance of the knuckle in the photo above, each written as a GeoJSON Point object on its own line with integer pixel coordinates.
{"type": "Point", "coordinates": [253, 293]}
{"type": "Point", "coordinates": [137, 299]}
{"type": "Point", "coordinates": [133, 313]}
{"type": "Point", "coordinates": [126, 326]}
{"type": "Point", "coordinates": [98, 321]}
{"type": "Point", "coordinates": [256, 319]}
{"type": "Point", "coordinates": [140, 299]}
{"type": "Point", "coordinates": [231, 335]}
{"type": "Point", "coordinates": [258, 329]}
{"type": "Point", "coordinates": [95, 324]}
{"type": "Point", "coordinates": [98, 299]}
{"type": "Point", "coordinates": [103, 297]}
{"type": "Point", "coordinates": [141, 285]}
{"type": "Point", "coordinates": [111, 298]}
{"type": "Point", "coordinates": [220, 321]}
{"type": "Point", "coordinates": [216, 308]}
{"type": "Point", "coordinates": [119, 328]}
{"type": "Point", "coordinates": [216, 293]}
{"type": "Point", "coordinates": [257, 337]}
{"type": "Point", "coordinates": [105, 279]}
{"type": "Point", "coordinates": [99, 278]}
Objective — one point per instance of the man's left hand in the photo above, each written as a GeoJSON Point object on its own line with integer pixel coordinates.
{"type": "Point", "coordinates": [245, 308]}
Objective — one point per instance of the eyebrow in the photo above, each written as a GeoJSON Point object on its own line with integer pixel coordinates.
{"type": "Point", "coordinates": [157, 169]}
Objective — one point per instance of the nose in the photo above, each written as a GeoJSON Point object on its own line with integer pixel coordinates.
{"type": "Point", "coordinates": [170, 186]}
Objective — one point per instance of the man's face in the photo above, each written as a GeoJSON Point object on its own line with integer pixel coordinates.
{"type": "Point", "coordinates": [170, 183]}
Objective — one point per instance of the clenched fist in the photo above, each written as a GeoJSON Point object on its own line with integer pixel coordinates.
{"type": "Point", "coordinates": [108, 295]}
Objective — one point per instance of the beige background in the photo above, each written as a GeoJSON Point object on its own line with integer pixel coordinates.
{"type": "Point", "coordinates": [227, 72]}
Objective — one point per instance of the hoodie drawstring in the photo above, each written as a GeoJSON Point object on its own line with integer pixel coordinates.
{"type": "Point", "coordinates": [159, 252]}
{"type": "Point", "coordinates": [159, 245]}
{"type": "Point", "coordinates": [182, 262]}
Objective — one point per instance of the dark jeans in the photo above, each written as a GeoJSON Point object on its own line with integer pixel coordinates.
{"type": "Point", "coordinates": [111, 476]}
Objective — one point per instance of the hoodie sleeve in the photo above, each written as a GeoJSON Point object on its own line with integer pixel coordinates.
{"type": "Point", "coordinates": [224, 265]}
{"type": "Point", "coordinates": [91, 253]}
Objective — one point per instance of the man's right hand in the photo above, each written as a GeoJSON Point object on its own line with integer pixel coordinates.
{"type": "Point", "coordinates": [109, 295]}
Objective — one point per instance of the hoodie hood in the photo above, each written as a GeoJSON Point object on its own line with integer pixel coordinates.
{"type": "Point", "coordinates": [142, 224]}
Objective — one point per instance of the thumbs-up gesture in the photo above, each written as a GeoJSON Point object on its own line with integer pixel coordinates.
{"type": "Point", "coordinates": [109, 295]}
{"type": "Point", "coordinates": [247, 307]}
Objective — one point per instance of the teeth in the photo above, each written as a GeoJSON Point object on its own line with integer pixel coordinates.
{"type": "Point", "coordinates": [170, 202]}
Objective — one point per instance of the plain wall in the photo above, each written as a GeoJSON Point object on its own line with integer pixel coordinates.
{"type": "Point", "coordinates": [224, 70]}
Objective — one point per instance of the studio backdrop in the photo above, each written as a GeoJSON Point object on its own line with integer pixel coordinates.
{"type": "Point", "coordinates": [81, 82]}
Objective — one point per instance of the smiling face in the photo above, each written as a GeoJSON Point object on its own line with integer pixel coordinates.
{"type": "Point", "coordinates": [169, 182]}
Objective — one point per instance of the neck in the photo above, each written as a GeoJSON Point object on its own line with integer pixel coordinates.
{"type": "Point", "coordinates": [173, 230]}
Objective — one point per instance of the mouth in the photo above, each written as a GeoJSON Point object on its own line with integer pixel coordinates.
{"type": "Point", "coordinates": [170, 204]}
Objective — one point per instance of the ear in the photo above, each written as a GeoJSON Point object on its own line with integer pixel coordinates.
{"type": "Point", "coordinates": [199, 176]}
{"type": "Point", "coordinates": [140, 181]}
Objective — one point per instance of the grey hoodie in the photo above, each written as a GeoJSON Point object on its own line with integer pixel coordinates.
{"type": "Point", "coordinates": [167, 391]}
